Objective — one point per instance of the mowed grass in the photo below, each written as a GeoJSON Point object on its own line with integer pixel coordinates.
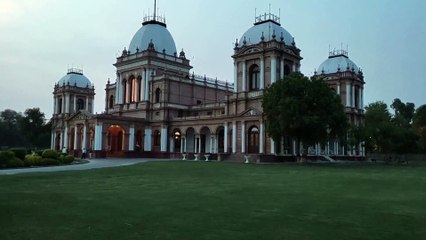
{"type": "Point", "coordinates": [197, 200]}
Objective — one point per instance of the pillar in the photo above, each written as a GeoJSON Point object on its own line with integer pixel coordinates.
{"type": "Point", "coordinates": [98, 137]}
{"type": "Point", "coordinates": [225, 140]}
{"type": "Point", "coordinates": [234, 137]}
{"type": "Point", "coordinates": [244, 79]}
{"type": "Point", "coordinates": [182, 144]}
{"type": "Point", "coordinates": [63, 104]}
{"type": "Point", "coordinates": [243, 137]}
{"type": "Point", "coordinates": [137, 87]}
{"type": "Point", "coordinates": [262, 138]}
{"type": "Point", "coordinates": [353, 95]}
{"type": "Point", "coordinates": [148, 139]}
{"type": "Point", "coordinates": [362, 98]}
{"type": "Point", "coordinates": [84, 144]}
{"type": "Point", "coordinates": [132, 138]}
{"type": "Point", "coordinates": [66, 137]}
{"type": "Point", "coordinates": [273, 69]}
{"type": "Point", "coordinates": [262, 73]}
{"type": "Point", "coordinates": [117, 89]}
{"type": "Point", "coordinates": [235, 77]}
{"type": "Point", "coordinates": [67, 103]}
{"type": "Point", "coordinates": [338, 88]}
{"type": "Point", "coordinates": [129, 93]}
{"type": "Point", "coordinates": [75, 137]}
{"type": "Point", "coordinates": [185, 146]}
{"type": "Point", "coordinates": [75, 103]}
{"type": "Point", "coordinates": [199, 144]}
{"type": "Point", "coordinates": [348, 94]}
{"type": "Point", "coordinates": [172, 144]}
{"type": "Point", "coordinates": [52, 140]}
{"type": "Point", "coordinates": [211, 144]}
{"type": "Point", "coordinates": [87, 104]}
{"type": "Point", "coordinates": [164, 139]}
{"type": "Point", "coordinates": [272, 145]}
{"type": "Point", "coordinates": [282, 69]}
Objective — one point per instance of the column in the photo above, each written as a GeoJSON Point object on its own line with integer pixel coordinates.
{"type": "Point", "coordinates": [185, 145]}
{"type": "Point", "coordinates": [98, 137]}
{"type": "Point", "coordinates": [67, 103]}
{"type": "Point", "coordinates": [148, 139]}
{"type": "Point", "coordinates": [66, 137]}
{"type": "Point", "coordinates": [87, 104]}
{"type": "Point", "coordinates": [262, 138]}
{"type": "Point", "coordinates": [117, 90]}
{"type": "Point", "coordinates": [234, 137]}
{"type": "Point", "coordinates": [353, 96]}
{"type": "Point", "coordinates": [293, 67]}
{"type": "Point", "coordinates": [132, 138]}
{"type": "Point", "coordinates": [362, 98]}
{"type": "Point", "coordinates": [262, 73]}
{"type": "Point", "coordinates": [272, 145]}
{"type": "Point", "coordinates": [211, 144]}
{"type": "Point", "coordinates": [84, 144]}
{"type": "Point", "coordinates": [348, 94]}
{"type": "Point", "coordinates": [164, 139]}
{"type": "Point", "coordinates": [182, 144]}
{"type": "Point", "coordinates": [225, 140]}
{"type": "Point", "coordinates": [147, 77]}
{"type": "Point", "coordinates": [75, 137]}
{"type": "Point", "coordinates": [196, 145]}
{"type": "Point", "coordinates": [294, 148]}
{"type": "Point", "coordinates": [235, 77]}
{"type": "Point", "coordinates": [282, 69]}
{"type": "Point", "coordinates": [244, 79]}
{"type": "Point", "coordinates": [243, 137]}
{"type": "Point", "coordinates": [63, 104]}
{"type": "Point", "coordinates": [129, 93]}
{"type": "Point", "coordinates": [273, 69]}
{"type": "Point", "coordinates": [52, 140]}
{"type": "Point", "coordinates": [61, 138]}
{"type": "Point", "coordinates": [172, 144]}
{"type": "Point", "coordinates": [75, 103]}
{"type": "Point", "coordinates": [338, 88]}
{"type": "Point", "coordinates": [199, 144]}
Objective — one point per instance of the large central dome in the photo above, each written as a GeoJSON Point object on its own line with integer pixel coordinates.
{"type": "Point", "coordinates": [155, 31]}
{"type": "Point", "coordinates": [266, 26]}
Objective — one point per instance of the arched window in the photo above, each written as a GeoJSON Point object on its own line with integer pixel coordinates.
{"type": "Point", "coordinates": [80, 104]}
{"type": "Point", "coordinates": [177, 139]}
{"type": "Point", "coordinates": [253, 140]}
{"type": "Point", "coordinates": [111, 101]}
{"type": "Point", "coordinates": [254, 78]}
{"type": "Point", "coordinates": [133, 90]}
{"type": "Point", "coordinates": [157, 95]}
{"type": "Point", "coordinates": [157, 138]}
{"type": "Point", "coordinates": [60, 106]}
{"type": "Point", "coordinates": [139, 81]}
{"type": "Point", "coordinates": [125, 91]}
{"type": "Point", "coordinates": [286, 70]}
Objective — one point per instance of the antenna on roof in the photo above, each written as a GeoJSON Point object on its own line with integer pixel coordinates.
{"type": "Point", "coordinates": [155, 8]}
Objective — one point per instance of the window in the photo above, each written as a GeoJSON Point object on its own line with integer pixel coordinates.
{"type": "Point", "coordinates": [254, 78]}
{"type": "Point", "coordinates": [253, 140]}
{"type": "Point", "coordinates": [80, 104]}
{"type": "Point", "coordinates": [157, 95]}
{"type": "Point", "coordinates": [111, 101]}
{"type": "Point", "coordinates": [157, 138]}
{"type": "Point", "coordinates": [133, 90]}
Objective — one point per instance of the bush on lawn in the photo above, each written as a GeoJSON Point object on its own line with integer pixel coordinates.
{"type": "Point", "coordinates": [19, 152]}
{"type": "Point", "coordinates": [15, 163]}
{"type": "Point", "coordinates": [66, 159]}
{"type": "Point", "coordinates": [50, 162]}
{"type": "Point", "coordinates": [5, 157]}
{"type": "Point", "coordinates": [32, 160]}
{"type": "Point", "coordinates": [49, 153]}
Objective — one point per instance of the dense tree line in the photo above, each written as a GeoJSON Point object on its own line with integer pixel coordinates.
{"type": "Point", "coordinates": [400, 133]}
{"type": "Point", "coordinates": [28, 130]}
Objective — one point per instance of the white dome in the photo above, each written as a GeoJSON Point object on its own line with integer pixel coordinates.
{"type": "Point", "coordinates": [155, 32]}
{"type": "Point", "coordinates": [254, 34]}
{"type": "Point", "coordinates": [75, 79]}
{"type": "Point", "coordinates": [334, 62]}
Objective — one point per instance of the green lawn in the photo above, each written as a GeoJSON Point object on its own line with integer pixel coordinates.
{"type": "Point", "coordinates": [198, 200]}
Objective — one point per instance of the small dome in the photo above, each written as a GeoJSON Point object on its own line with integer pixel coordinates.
{"type": "Point", "coordinates": [155, 32]}
{"type": "Point", "coordinates": [268, 28]}
{"type": "Point", "coordinates": [336, 61]}
{"type": "Point", "coordinates": [75, 78]}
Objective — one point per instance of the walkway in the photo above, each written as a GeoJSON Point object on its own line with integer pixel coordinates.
{"type": "Point", "coordinates": [93, 164]}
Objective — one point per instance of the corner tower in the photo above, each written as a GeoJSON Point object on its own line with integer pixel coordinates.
{"type": "Point", "coordinates": [72, 93]}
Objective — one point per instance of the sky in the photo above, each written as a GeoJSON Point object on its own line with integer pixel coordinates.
{"type": "Point", "coordinates": [40, 39]}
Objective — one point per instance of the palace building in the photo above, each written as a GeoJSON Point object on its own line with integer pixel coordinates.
{"type": "Point", "coordinates": [157, 108]}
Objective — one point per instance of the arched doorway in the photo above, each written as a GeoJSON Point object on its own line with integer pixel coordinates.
{"type": "Point", "coordinates": [115, 141]}
{"type": "Point", "coordinates": [139, 141]}
{"type": "Point", "coordinates": [177, 139]}
{"type": "Point", "coordinates": [253, 140]}
{"type": "Point", "coordinates": [205, 137]}
{"type": "Point", "coordinates": [221, 139]}
{"type": "Point", "coordinates": [190, 140]}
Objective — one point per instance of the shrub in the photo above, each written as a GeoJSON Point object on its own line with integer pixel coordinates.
{"type": "Point", "coordinates": [15, 163]}
{"type": "Point", "coordinates": [32, 160]}
{"type": "Point", "coordinates": [19, 152]}
{"type": "Point", "coordinates": [5, 157]}
{"type": "Point", "coordinates": [66, 159]}
{"type": "Point", "coordinates": [50, 162]}
{"type": "Point", "coordinates": [50, 153]}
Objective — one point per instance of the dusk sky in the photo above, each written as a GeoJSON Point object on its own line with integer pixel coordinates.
{"type": "Point", "coordinates": [40, 39]}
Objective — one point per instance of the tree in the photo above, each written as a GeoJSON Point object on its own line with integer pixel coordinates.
{"type": "Point", "coordinates": [34, 129]}
{"type": "Point", "coordinates": [403, 111]}
{"type": "Point", "coordinates": [419, 124]}
{"type": "Point", "coordinates": [308, 110]}
{"type": "Point", "coordinates": [10, 133]}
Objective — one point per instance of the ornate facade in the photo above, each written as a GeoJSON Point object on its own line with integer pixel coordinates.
{"type": "Point", "coordinates": [158, 108]}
